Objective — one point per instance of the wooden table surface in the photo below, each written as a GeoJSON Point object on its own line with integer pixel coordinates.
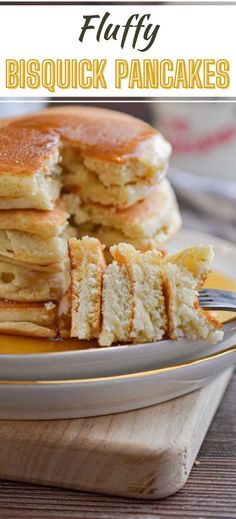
{"type": "Point", "coordinates": [209, 492]}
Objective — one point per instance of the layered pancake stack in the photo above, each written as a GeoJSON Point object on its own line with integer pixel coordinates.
{"type": "Point", "coordinates": [116, 190]}
{"type": "Point", "coordinates": [100, 171]}
{"type": "Point", "coordinates": [113, 174]}
{"type": "Point", "coordinates": [33, 254]}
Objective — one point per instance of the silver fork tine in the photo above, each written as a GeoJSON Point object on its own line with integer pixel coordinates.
{"type": "Point", "coordinates": [217, 299]}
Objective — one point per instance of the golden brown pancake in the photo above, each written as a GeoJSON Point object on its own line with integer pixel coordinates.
{"type": "Point", "coordinates": [32, 319]}
{"type": "Point", "coordinates": [23, 248]}
{"type": "Point", "coordinates": [87, 268]}
{"type": "Point", "coordinates": [104, 134]}
{"type": "Point", "coordinates": [24, 284]}
{"type": "Point", "coordinates": [23, 151]}
{"type": "Point", "coordinates": [117, 147]}
{"type": "Point", "coordinates": [184, 273]}
{"type": "Point", "coordinates": [29, 173]}
{"type": "Point", "coordinates": [34, 221]}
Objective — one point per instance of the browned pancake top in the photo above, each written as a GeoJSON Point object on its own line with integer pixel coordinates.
{"type": "Point", "coordinates": [24, 150]}
{"type": "Point", "coordinates": [100, 133]}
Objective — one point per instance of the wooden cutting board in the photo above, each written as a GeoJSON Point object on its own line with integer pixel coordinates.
{"type": "Point", "coordinates": [146, 453]}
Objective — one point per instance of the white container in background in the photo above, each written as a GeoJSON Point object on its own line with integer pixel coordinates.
{"type": "Point", "coordinates": [203, 136]}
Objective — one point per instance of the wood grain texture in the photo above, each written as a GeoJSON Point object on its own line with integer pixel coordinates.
{"type": "Point", "coordinates": [145, 453]}
{"type": "Point", "coordinates": [210, 491]}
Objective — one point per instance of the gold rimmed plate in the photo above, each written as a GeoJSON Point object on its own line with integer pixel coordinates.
{"type": "Point", "coordinates": [59, 399]}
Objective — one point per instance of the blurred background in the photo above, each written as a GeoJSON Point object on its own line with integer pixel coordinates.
{"type": "Point", "coordinates": [203, 163]}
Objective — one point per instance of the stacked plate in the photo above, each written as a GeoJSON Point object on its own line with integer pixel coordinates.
{"type": "Point", "coordinates": [46, 379]}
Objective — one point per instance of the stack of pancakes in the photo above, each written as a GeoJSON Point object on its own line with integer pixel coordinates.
{"type": "Point", "coordinates": [117, 190]}
{"type": "Point", "coordinates": [113, 169]}
{"type": "Point", "coordinates": [102, 169]}
{"type": "Point", "coordinates": [33, 254]}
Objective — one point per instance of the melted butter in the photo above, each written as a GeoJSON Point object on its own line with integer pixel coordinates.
{"type": "Point", "coordinates": [10, 344]}
{"type": "Point", "coordinates": [16, 345]}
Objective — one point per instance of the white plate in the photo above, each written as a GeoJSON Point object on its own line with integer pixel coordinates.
{"type": "Point", "coordinates": [111, 361]}
{"type": "Point", "coordinates": [124, 359]}
{"type": "Point", "coordinates": [93, 397]}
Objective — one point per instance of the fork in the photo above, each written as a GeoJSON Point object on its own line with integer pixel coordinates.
{"type": "Point", "coordinates": [217, 299]}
